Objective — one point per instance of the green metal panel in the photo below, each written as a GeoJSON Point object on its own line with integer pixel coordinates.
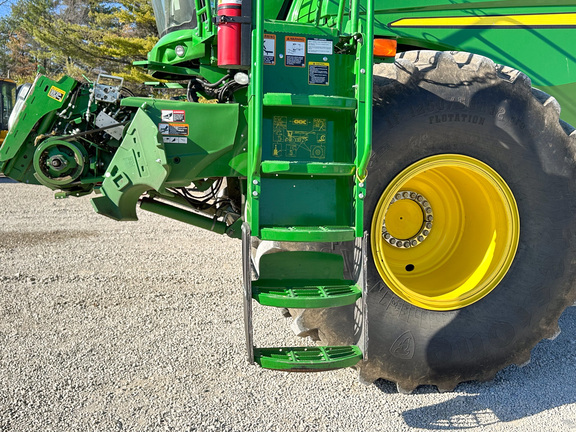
{"type": "Point", "coordinates": [535, 37]}
{"type": "Point", "coordinates": [292, 202]}
{"type": "Point", "coordinates": [311, 135]}
{"type": "Point", "coordinates": [210, 139]}
{"type": "Point", "coordinates": [44, 98]}
{"type": "Point", "coordinates": [301, 265]}
{"type": "Point", "coordinates": [308, 168]}
{"type": "Point", "coordinates": [139, 165]}
{"type": "Point", "coordinates": [156, 154]}
{"type": "Point", "coordinates": [532, 36]}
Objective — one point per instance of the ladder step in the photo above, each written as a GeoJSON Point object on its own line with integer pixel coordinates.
{"type": "Point", "coordinates": [308, 359]}
{"type": "Point", "coordinates": [308, 168]}
{"type": "Point", "coordinates": [305, 297]}
{"type": "Point", "coordinates": [308, 233]}
{"type": "Point", "coordinates": [311, 101]}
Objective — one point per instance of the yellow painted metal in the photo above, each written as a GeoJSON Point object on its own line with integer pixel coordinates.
{"type": "Point", "coordinates": [404, 219]}
{"type": "Point", "coordinates": [472, 242]}
{"type": "Point", "coordinates": [502, 21]}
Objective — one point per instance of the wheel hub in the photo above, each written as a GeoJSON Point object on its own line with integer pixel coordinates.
{"type": "Point", "coordinates": [408, 220]}
{"type": "Point", "coordinates": [445, 232]}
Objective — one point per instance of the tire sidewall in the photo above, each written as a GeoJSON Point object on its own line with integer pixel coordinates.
{"type": "Point", "coordinates": [502, 125]}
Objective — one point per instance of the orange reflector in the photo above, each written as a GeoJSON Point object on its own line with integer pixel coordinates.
{"type": "Point", "coordinates": [385, 47]}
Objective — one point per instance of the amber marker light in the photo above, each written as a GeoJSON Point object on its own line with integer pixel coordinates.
{"type": "Point", "coordinates": [385, 47]}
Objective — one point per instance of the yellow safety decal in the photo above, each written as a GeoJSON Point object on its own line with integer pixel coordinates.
{"type": "Point", "coordinates": [494, 21]}
{"type": "Point", "coordinates": [318, 73]}
{"type": "Point", "coordinates": [56, 94]}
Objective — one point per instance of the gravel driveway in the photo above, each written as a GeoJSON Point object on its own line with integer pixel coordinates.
{"type": "Point", "coordinates": [137, 326]}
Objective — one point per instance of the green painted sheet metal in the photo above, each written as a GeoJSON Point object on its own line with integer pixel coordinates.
{"type": "Point", "coordinates": [156, 154]}
{"type": "Point", "coordinates": [211, 138]}
{"type": "Point", "coordinates": [140, 164]}
{"type": "Point", "coordinates": [309, 101]}
{"type": "Point", "coordinates": [317, 233]}
{"type": "Point", "coordinates": [308, 168]}
{"type": "Point", "coordinates": [535, 37]}
{"type": "Point", "coordinates": [44, 98]}
{"type": "Point", "coordinates": [301, 266]}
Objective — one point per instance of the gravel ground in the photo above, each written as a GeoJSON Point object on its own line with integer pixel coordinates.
{"type": "Point", "coordinates": [137, 326]}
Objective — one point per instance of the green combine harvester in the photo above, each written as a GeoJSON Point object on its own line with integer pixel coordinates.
{"type": "Point", "coordinates": [399, 171]}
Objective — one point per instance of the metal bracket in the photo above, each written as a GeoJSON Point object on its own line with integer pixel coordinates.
{"type": "Point", "coordinates": [364, 284]}
{"type": "Point", "coordinates": [224, 19]}
{"type": "Point", "coordinates": [247, 282]}
{"type": "Point", "coordinates": [107, 88]}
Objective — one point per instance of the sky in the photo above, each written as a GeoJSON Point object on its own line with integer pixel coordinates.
{"type": "Point", "coordinates": [5, 7]}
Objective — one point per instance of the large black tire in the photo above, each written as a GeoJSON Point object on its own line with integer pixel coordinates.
{"type": "Point", "coordinates": [419, 102]}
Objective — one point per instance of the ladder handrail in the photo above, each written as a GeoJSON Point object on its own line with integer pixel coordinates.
{"type": "Point", "coordinates": [368, 89]}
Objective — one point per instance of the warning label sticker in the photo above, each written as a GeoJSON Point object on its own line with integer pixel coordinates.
{"type": "Point", "coordinates": [175, 140]}
{"type": "Point", "coordinates": [295, 51]}
{"type": "Point", "coordinates": [173, 115]}
{"type": "Point", "coordinates": [318, 73]}
{"type": "Point", "coordinates": [173, 129]}
{"type": "Point", "coordinates": [56, 94]}
{"type": "Point", "coordinates": [320, 46]}
{"type": "Point", "coordinates": [269, 49]}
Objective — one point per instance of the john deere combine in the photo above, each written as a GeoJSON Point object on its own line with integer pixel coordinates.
{"type": "Point", "coordinates": [399, 185]}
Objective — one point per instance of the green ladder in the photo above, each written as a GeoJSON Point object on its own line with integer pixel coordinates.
{"type": "Point", "coordinates": [277, 287]}
{"type": "Point", "coordinates": [309, 144]}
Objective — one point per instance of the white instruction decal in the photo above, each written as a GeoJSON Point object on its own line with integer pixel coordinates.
{"type": "Point", "coordinates": [175, 140]}
{"type": "Point", "coordinates": [320, 46]}
{"type": "Point", "coordinates": [295, 51]}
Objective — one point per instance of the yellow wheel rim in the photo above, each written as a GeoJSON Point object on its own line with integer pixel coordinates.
{"type": "Point", "coordinates": [445, 232]}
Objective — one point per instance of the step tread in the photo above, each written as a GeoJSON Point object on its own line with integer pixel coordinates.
{"type": "Point", "coordinates": [302, 359]}
{"type": "Point", "coordinates": [308, 233]}
{"type": "Point", "coordinates": [305, 100]}
{"type": "Point", "coordinates": [304, 295]}
{"type": "Point", "coordinates": [308, 168]}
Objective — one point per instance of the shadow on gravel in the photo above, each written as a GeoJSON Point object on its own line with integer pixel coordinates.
{"type": "Point", "coordinates": [7, 180]}
{"type": "Point", "coordinates": [546, 383]}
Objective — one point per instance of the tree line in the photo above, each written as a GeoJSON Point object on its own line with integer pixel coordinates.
{"type": "Point", "coordinates": [80, 38]}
